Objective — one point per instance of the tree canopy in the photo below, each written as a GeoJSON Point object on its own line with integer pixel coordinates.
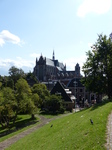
{"type": "Point", "coordinates": [8, 105]}
{"type": "Point", "coordinates": [42, 92]}
{"type": "Point", "coordinates": [98, 67]}
{"type": "Point", "coordinates": [16, 73]}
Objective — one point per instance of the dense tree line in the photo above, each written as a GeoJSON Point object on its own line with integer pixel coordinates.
{"type": "Point", "coordinates": [17, 97]}
{"type": "Point", "coordinates": [98, 67]}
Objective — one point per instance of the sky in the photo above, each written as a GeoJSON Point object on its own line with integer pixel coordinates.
{"type": "Point", "coordinates": [30, 28]}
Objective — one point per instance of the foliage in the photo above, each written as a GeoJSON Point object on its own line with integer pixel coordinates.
{"type": "Point", "coordinates": [4, 81]}
{"type": "Point", "coordinates": [98, 67]}
{"type": "Point", "coordinates": [36, 99]}
{"type": "Point", "coordinates": [23, 95]}
{"type": "Point", "coordinates": [16, 73]}
{"type": "Point", "coordinates": [0, 85]}
{"type": "Point", "coordinates": [53, 103]}
{"type": "Point", "coordinates": [7, 106]}
{"type": "Point", "coordinates": [13, 102]}
{"type": "Point", "coordinates": [30, 76]}
{"type": "Point", "coordinates": [23, 87]}
{"type": "Point", "coordinates": [42, 92]}
{"type": "Point", "coordinates": [10, 83]}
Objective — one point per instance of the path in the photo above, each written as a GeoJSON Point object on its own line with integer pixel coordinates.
{"type": "Point", "coordinates": [15, 138]}
{"type": "Point", "coordinates": [109, 133]}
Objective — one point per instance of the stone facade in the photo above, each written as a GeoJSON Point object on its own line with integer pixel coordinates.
{"type": "Point", "coordinates": [51, 69]}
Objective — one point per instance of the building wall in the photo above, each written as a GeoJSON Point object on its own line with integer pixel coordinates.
{"type": "Point", "coordinates": [44, 72]}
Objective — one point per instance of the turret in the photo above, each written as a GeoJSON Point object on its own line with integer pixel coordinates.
{"type": "Point", "coordinates": [77, 70]}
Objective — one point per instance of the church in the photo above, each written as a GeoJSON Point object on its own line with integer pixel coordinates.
{"type": "Point", "coordinates": [51, 69]}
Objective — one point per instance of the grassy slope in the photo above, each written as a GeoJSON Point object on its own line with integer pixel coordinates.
{"type": "Point", "coordinates": [73, 132]}
{"type": "Point", "coordinates": [24, 122]}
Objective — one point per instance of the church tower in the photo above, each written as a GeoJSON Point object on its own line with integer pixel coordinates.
{"type": "Point", "coordinates": [77, 70]}
{"type": "Point", "coordinates": [53, 57]}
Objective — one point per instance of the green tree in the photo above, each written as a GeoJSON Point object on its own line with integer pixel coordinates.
{"type": "Point", "coordinates": [16, 73]}
{"type": "Point", "coordinates": [23, 87]}
{"type": "Point", "coordinates": [0, 85]}
{"type": "Point", "coordinates": [4, 81]}
{"type": "Point", "coordinates": [24, 100]}
{"type": "Point", "coordinates": [54, 103]}
{"type": "Point", "coordinates": [31, 76]}
{"type": "Point", "coordinates": [98, 67]}
{"type": "Point", "coordinates": [42, 92]}
{"type": "Point", "coordinates": [8, 106]}
{"type": "Point", "coordinates": [10, 83]}
{"type": "Point", "coordinates": [36, 100]}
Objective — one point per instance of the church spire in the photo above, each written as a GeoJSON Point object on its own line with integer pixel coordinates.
{"type": "Point", "coordinates": [36, 60]}
{"type": "Point", "coordinates": [53, 57]}
{"type": "Point", "coordinates": [65, 66]}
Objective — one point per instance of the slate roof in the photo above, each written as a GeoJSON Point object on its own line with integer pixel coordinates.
{"type": "Point", "coordinates": [54, 63]}
{"type": "Point", "coordinates": [58, 88]}
{"type": "Point", "coordinates": [59, 68]}
{"type": "Point", "coordinates": [72, 82]}
{"type": "Point", "coordinates": [61, 65]}
{"type": "Point", "coordinates": [49, 62]}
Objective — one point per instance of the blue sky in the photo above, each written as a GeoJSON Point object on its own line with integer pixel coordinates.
{"type": "Point", "coordinates": [29, 28]}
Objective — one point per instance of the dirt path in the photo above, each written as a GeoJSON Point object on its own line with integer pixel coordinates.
{"type": "Point", "coordinates": [109, 133]}
{"type": "Point", "coordinates": [15, 138]}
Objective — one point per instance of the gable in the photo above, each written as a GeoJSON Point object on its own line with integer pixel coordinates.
{"type": "Point", "coordinates": [58, 88]}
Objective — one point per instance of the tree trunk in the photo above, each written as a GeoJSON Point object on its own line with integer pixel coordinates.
{"type": "Point", "coordinates": [14, 118]}
{"type": "Point", "coordinates": [32, 117]}
{"type": "Point", "coordinates": [1, 124]}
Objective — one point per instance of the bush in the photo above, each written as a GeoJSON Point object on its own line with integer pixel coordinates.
{"type": "Point", "coordinates": [62, 109]}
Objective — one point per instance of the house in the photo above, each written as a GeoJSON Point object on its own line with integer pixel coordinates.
{"type": "Point", "coordinates": [68, 98]}
{"type": "Point", "coordinates": [80, 91]}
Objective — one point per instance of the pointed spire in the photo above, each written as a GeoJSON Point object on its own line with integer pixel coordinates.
{"type": "Point", "coordinates": [53, 57]}
{"type": "Point", "coordinates": [36, 60]}
{"type": "Point", "coordinates": [65, 66]}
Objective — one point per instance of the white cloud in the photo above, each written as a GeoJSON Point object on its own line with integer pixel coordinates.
{"type": "Point", "coordinates": [95, 6]}
{"type": "Point", "coordinates": [6, 36]}
{"type": "Point", "coordinates": [6, 64]}
{"type": "Point", "coordinates": [2, 42]}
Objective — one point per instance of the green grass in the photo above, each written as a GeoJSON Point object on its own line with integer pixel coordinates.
{"type": "Point", "coordinates": [72, 132]}
{"type": "Point", "coordinates": [22, 123]}
{"type": "Point", "coordinates": [52, 115]}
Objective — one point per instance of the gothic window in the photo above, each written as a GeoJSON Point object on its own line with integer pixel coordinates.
{"type": "Point", "coordinates": [80, 90]}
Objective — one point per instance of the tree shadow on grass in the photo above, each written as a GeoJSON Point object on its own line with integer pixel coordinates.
{"type": "Point", "coordinates": [96, 106]}
{"type": "Point", "coordinates": [18, 126]}
{"type": "Point", "coordinates": [49, 113]}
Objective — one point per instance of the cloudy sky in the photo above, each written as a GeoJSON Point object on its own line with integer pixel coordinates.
{"type": "Point", "coordinates": [29, 28]}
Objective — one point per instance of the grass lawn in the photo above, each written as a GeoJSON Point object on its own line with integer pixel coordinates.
{"type": "Point", "coordinates": [72, 132]}
{"type": "Point", "coordinates": [52, 115]}
{"type": "Point", "coordinates": [22, 123]}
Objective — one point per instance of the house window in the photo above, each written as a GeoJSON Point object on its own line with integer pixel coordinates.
{"type": "Point", "coordinates": [80, 90]}
{"type": "Point", "coordinates": [75, 83]}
